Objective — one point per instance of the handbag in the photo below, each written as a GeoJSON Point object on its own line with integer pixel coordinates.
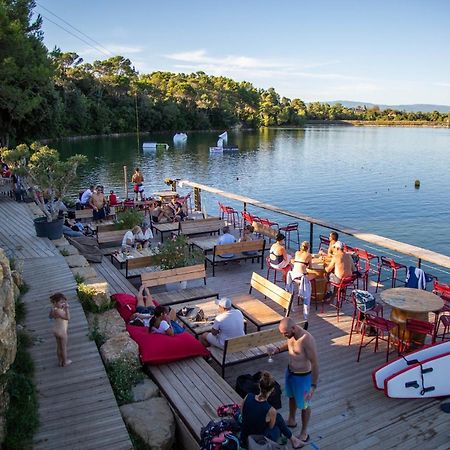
{"type": "Point", "coordinates": [259, 442]}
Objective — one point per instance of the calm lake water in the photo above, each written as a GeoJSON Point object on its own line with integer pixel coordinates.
{"type": "Point", "coordinates": [356, 176]}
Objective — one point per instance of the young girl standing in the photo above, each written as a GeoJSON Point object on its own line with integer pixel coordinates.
{"type": "Point", "coordinates": [61, 315]}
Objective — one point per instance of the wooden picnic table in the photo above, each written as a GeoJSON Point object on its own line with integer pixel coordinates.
{"type": "Point", "coordinates": [164, 195]}
{"type": "Point", "coordinates": [166, 227]}
{"type": "Point", "coordinates": [408, 303]}
{"type": "Point", "coordinates": [210, 310]}
{"type": "Point", "coordinates": [205, 244]}
{"type": "Point", "coordinates": [121, 258]}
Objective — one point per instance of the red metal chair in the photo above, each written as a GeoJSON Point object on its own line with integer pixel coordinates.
{"type": "Point", "coordinates": [364, 266]}
{"type": "Point", "coordinates": [382, 328]}
{"type": "Point", "coordinates": [288, 229]}
{"type": "Point", "coordinates": [444, 319]}
{"type": "Point", "coordinates": [416, 326]}
{"type": "Point", "coordinates": [394, 267]}
{"type": "Point", "coordinates": [359, 316]}
{"type": "Point", "coordinates": [283, 271]}
{"type": "Point", "coordinates": [324, 242]}
{"type": "Point", "coordinates": [341, 293]}
{"type": "Point", "coordinates": [443, 291]}
{"type": "Point", "coordinates": [232, 216]}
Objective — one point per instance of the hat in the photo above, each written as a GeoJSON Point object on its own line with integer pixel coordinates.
{"type": "Point", "coordinates": [224, 302]}
{"type": "Point", "coordinates": [339, 245]}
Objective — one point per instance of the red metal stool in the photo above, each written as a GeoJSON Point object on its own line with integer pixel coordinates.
{"type": "Point", "coordinates": [324, 242]}
{"type": "Point", "coordinates": [416, 326]}
{"type": "Point", "coordinates": [445, 320]}
{"type": "Point", "coordinates": [284, 271]}
{"type": "Point", "coordinates": [382, 328]}
{"type": "Point", "coordinates": [364, 266]}
{"type": "Point", "coordinates": [359, 316]}
{"type": "Point", "coordinates": [341, 293]}
{"type": "Point", "coordinates": [393, 266]}
{"type": "Point", "coordinates": [288, 229]}
{"type": "Point", "coordinates": [232, 216]}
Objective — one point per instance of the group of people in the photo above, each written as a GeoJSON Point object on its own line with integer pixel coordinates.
{"type": "Point", "coordinates": [95, 198]}
{"type": "Point", "coordinates": [137, 236]}
{"type": "Point", "coordinates": [295, 270]}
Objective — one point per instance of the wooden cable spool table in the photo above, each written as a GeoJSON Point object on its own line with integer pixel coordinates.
{"type": "Point", "coordinates": [317, 269]}
{"type": "Point", "coordinates": [407, 303]}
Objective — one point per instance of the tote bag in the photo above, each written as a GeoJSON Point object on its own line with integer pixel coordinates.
{"type": "Point", "coordinates": [258, 442]}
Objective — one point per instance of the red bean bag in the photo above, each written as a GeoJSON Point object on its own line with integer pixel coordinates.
{"type": "Point", "coordinates": [157, 348]}
{"type": "Point", "coordinates": [125, 305]}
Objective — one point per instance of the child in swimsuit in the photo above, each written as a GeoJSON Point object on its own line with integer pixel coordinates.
{"type": "Point", "coordinates": [61, 315]}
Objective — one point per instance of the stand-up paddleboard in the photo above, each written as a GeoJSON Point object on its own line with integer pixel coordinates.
{"type": "Point", "coordinates": [390, 368]}
{"type": "Point", "coordinates": [425, 379]}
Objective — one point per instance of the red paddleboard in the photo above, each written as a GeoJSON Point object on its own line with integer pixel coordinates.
{"type": "Point", "coordinates": [390, 368]}
{"type": "Point", "coordinates": [425, 379]}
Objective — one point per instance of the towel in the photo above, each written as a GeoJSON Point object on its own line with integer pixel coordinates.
{"type": "Point", "coordinates": [416, 278]}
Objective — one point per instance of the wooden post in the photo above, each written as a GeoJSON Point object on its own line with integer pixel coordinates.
{"type": "Point", "coordinates": [197, 199]}
{"type": "Point", "coordinates": [125, 180]}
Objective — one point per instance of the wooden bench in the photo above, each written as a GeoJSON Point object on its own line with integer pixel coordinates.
{"type": "Point", "coordinates": [194, 391]}
{"type": "Point", "coordinates": [246, 348]}
{"type": "Point", "coordinates": [110, 239]}
{"type": "Point", "coordinates": [257, 311]}
{"type": "Point", "coordinates": [132, 265]}
{"type": "Point", "coordinates": [211, 225]}
{"type": "Point", "coordinates": [86, 214]}
{"type": "Point", "coordinates": [237, 249]}
{"type": "Point", "coordinates": [151, 279]}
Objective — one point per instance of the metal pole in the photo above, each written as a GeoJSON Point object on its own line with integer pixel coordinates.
{"type": "Point", "coordinates": [419, 262]}
{"type": "Point", "coordinates": [125, 180]}
{"type": "Point", "coordinates": [311, 236]}
{"type": "Point", "coordinates": [137, 121]}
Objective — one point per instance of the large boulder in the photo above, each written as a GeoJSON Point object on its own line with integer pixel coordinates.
{"type": "Point", "coordinates": [68, 250]}
{"type": "Point", "coordinates": [108, 323]}
{"type": "Point", "coordinates": [145, 390]}
{"type": "Point", "coordinates": [76, 261]}
{"type": "Point", "coordinates": [153, 421]}
{"type": "Point", "coordinates": [85, 272]}
{"type": "Point", "coordinates": [61, 242]}
{"type": "Point", "coordinates": [120, 347]}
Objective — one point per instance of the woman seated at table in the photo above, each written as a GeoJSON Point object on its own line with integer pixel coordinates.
{"type": "Point", "coordinates": [158, 213]}
{"type": "Point", "coordinates": [177, 209]}
{"type": "Point", "coordinates": [260, 417]}
{"type": "Point", "coordinates": [299, 274]}
{"type": "Point", "coordinates": [247, 235]}
{"type": "Point", "coordinates": [145, 308]}
{"type": "Point", "coordinates": [164, 322]}
{"type": "Point", "coordinates": [129, 238]}
{"type": "Point", "coordinates": [143, 237]}
{"type": "Point", "coordinates": [278, 257]}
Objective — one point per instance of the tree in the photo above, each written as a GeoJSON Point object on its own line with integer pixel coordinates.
{"type": "Point", "coordinates": [25, 69]}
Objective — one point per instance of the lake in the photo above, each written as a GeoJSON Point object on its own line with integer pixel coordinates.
{"type": "Point", "coordinates": [356, 176]}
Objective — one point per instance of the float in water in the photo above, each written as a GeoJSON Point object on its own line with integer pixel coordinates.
{"type": "Point", "coordinates": [180, 138]}
{"type": "Point", "coordinates": [154, 146]}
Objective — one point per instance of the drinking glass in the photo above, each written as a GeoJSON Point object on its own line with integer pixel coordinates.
{"type": "Point", "coordinates": [270, 352]}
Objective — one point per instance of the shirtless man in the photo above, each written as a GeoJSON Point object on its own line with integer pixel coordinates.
{"type": "Point", "coordinates": [341, 266]}
{"type": "Point", "coordinates": [302, 373]}
{"type": "Point", "coordinates": [98, 203]}
{"type": "Point", "coordinates": [137, 179]}
{"type": "Point", "coordinates": [333, 239]}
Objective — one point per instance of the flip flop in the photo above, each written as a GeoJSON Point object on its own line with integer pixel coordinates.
{"type": "Point", "coordinates": [305, 440]}
{"type": "Point", "coordinates": [293, 426]}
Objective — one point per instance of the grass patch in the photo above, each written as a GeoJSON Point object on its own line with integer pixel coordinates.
{"type": "Point", "coordinates": [64, 252]}
{"type": "Point", "coordinates": [96, 335]}
{"type": "Point", "coordinates": [22, 418]}
{"type": "Point", "coordinates": [123, 376]}
{"type": "Point", "coordinates": [78, 278]}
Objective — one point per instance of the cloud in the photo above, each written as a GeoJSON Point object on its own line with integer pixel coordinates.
{"type": "Point", "coordinates": [442, 84]}
{"type": "Point", "coordinates": [112, 48]}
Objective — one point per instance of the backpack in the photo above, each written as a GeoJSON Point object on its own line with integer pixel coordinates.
{"type": "Point", "coordinates": [210, 435]}
{"type": "Point", "coordinates": [246, 384]}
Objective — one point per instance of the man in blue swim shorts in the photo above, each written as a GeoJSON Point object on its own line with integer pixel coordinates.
{"type": "Point", "coordinates": [302, 373]}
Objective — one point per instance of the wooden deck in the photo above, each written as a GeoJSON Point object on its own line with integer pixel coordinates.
{"type": "Point", "coordinates": [77, 407]}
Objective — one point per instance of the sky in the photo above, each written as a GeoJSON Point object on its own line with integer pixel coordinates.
{"type": "Point", "coordinates": [378, 51]}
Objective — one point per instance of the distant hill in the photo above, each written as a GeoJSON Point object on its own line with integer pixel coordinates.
{"type": "Point", "coordinates": [407, 108]}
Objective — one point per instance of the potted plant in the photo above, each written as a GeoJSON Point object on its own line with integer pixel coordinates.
{"type": "Point", "coordinates": [128, 219]}
{"type": "Point", "coordinates": [48, 179]}
{"type": "Point", "coordinates": [175, 253]}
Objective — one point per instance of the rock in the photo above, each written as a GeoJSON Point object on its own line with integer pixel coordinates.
{"type": "Point", "coordinates": [17, 278]}
{"type": "Point", "coordinates": [153, 421]}
{"type": "Point", "coordinates": [16, 291]}
{"type": "Point", "coordinates": [101, 297]}
{"type": "Point", "coordinates": [145, 390]}
{"type": "Point", "coordinates": [76, 261]}
{"type": "Point", "coordinates": [120, 347]}
{"type": "Point", "coordinates": [68, 250]}
{"type": "Point", "coordinates": [109, 323]}
{"type": "Point", "coordinates": [85, 272]}
{"type": "Point", "coordinates": [61, 242]}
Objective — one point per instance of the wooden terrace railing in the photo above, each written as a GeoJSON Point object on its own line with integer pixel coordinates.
{"type": "Point", "coordinates": [421, 254]}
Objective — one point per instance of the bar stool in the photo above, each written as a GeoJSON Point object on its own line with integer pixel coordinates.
{"type": "Point", "coordinates": [364, 265]}
{"type": "Point", "coordinates": [232, 216]}
{"type": "Point", "coordinates": [382, 328]}
{"type": "Point", "coordinates": [442, 290]}
{"type": "Point", "coordinates": [445, 320]}
{"type": "Point", "coordinates": [324, 242]}
{"type": "Point", "coordinates": [393, 266]}
{"type": "Point", "coordinates": [284, 271]}
{"type": "Point", "coordinates": [341, 293]}
{"type": "Point", "coordinates": [416, 326]}
{"type": "Point", "coordinates": [291, 228]}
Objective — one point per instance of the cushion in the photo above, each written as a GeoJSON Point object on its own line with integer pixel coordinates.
{"type": "Point", "coordinates": [160, 349]}
{"type": "Point", "coordinates": [125, 304]}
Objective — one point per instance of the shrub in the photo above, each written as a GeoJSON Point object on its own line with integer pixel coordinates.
{"type": "Point", "coordinates": [96, 335]}
{"type": "Point", "coordinates": [175, 253]}
{"type": "Point", "coordinates": [128, 219]}
{"type": "Point", "coordinates": [123, 376]}
{"type": "Point", "coordinates": [78, 278]}
{"type": "Point", "coordinates": [64, 252]}
{"type": "Point", "coordinates": [86, 296]}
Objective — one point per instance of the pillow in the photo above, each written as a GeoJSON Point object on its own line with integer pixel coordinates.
{"type": "Point", "coordinates": [160, 349]}
{"type": "Point", "coordinates": [125, 304]}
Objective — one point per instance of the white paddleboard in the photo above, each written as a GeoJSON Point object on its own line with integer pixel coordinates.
{"type": "Point", "coordinates": [390, 368]}
{"type": "Point", "coordinates": [429, 378]}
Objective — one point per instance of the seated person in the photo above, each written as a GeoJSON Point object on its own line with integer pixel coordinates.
{"type": "Point", "coordinates": [229, 323]}
{"type": "Point", "coordinates": [177, 209]}
{"type": "Point", "coordinates": [72, 228]}
{"type": "Point", "coordinates": [112, 199]}
{"type": "Point", "coordinates": [334, 237]}
{"type": "Point", "coordinates": [247, 235]}
{"type": "Point", "coordinates": [5, 172]}
{"type": "Point", "coordinates": [86, 196]}
{"type": "Point", "coordinates": [145, 308]}
{"type": "Point", "coordinates": [341, 266]}
{"type": "Point", "coordinates": [144, 236]}
{"type": "Point", "coordinates": [164, 322]}
{"type": "Point", "coordinates": [226, 238]}
{"type": "Point", "coordinates": [278, 257]}
{"type": "Point", "coordinates": [130, 237]}
{"type": "Point", "coordinates": [261, 418]}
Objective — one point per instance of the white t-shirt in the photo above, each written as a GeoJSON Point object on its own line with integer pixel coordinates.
{"type": "Point", "coordinates": [226, 238]}
{"type": "Point", "coordinates": [230, 324]}
{"type": "Point", "coordinates": [163, 327]}
{"type": "Point", "coordinates": [128, 236]}
{"type": "Point", "coordinates": [144, 236]}
{"type": "Point", "coordinates": [86, 196]}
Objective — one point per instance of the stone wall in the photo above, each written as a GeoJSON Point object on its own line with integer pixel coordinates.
{"type": "Point", "coordinates": [8, 340]}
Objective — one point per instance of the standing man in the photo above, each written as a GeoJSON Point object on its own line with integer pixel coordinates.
{"type": "Point", "coordinates": [98, 202]}
{"type": "Point", "coordinates": [302, 372]}
{"type": "Point", "coordinates": [137, 179]}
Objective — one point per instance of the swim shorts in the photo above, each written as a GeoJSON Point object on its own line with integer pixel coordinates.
{"type": "Point", "coordinates": [298, 385]}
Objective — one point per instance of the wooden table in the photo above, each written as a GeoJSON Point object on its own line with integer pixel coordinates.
{"type": "Point", "coordinates": [210, 309]}
{"type": "Point", "coordinates": [318, 270]}
{"type": "Point", "coordinates": [166, 227]}
{"type": "Point", "coordinates": [121, 258]}
{"type": "Point", "coordinates": [164, 195]}
{"type": "Point", "coordinates": [205, 244]}
{"type": "Point", "coordinates": [410, 303]}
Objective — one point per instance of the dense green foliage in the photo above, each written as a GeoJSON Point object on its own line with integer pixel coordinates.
{"type": "Point", "coordinates": [123, 375]}
{"type": "Point", "coordinates": [55, 94]}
